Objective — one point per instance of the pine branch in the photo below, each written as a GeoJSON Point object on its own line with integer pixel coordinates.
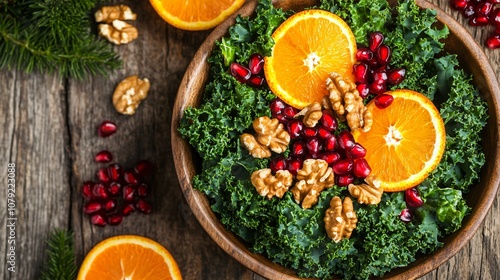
{"type": "Point", "coordinates": [61, 264]}
{"type": "Point", "coordinates": [53, 35]}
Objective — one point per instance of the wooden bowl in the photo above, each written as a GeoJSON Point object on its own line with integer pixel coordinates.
{"type": "Point", "coordinates": [472, 59]}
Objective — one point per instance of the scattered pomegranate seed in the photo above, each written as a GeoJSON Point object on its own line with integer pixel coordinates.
{"type": "Point", "coordinates": [344, 180]}
{"type": "Point", "coordinates": [130, 177]}
{"type": "Point", "coordinates": [298, 148]}
{"type": "Point", "coordinates": [493, 42]}
{"type": "Point", "coordinates": [378, 87]}
{"type": "Point", "coordinates": [103, 157]}
{"type": "Point", "coordinates": [110, 205]}
{"type": "Point", "coordinates": [240, 72]}
{"type": "Point", "coordinates": [357, 151]}
{"type": "Point", "coordinates": [310, 132]}
{"type": "Point", "coordinates": [114, 171]}
{"type": "Point", "coordinates": [115, 189]}
{"type": "Point", "coordinates": [413, 198]}
{"type": "Point", "coordinates": [363, 90]}
{"type": "Point", "coordinates": [313, 146]}
{"type": "Point", "coordinates": [295, 129]}
{"type": "Point", "coordinates": [459, 4]}
{"type": "Point", "coordinates": [92, 207]}
{"type": "Point", "coordinates": [383, 55]}
{"type": "Point", "coordinates": [256, 81]}
{"type": "Point", "coordinates": [102, 175]}
{"type": "Point", "coordinates": [294, 165]}
{"type": "Point", "coordinates": [495, 17]}
{"type": "Point", "coordinates": [115, 219]}
{"type": "Point", "coordinates": [484, 8]}
{"type": "Point", "coordinates": [128, 193]}
{"type": "Point", "coordinates": [324, 133]}
{"type": "Point", "coordinates": [328, 120]}
{"type": "Point", "coordinates": [87, 189]}
{"type": "Point", "coordinates": [143, 168]}
{"type": "Point", "coordinates": [100, 191]}
{"type": "Point", "coordinates": [380, 75]}
{"type": "Point", "coordinates": [330, 157]}
{"type": "Point", "coordinates": [364, 54]}
{"type": "Point", "coordinates": [278, 163]}
{"type": "Point", "coordinates": [143, 206]}
{"type": "Point", "coordinates": [98, 220]}
{"type": "Point", "coordinates": [107, 128]}
{"type": "Point", "coordinates": [375, 40]}
{"type": "Point", "coordinates": [361, 168]}
{"type": "Point", "coordinates": [128, 208]}
{"type": "Point", "coordinates": [361, 72]}
{"type": "Point", "coordinates": [479, 21]}
{"type": "Point", "coordinates": [277, 106]}
{"type": "Point", "coordinates": [406, 215]}
{"type": "Point", "coordinates": [343, 166]}
{"type": "Point", "coordinates": [469, 11]}
{"type": "Point", "coordinates": [395, 76]}
{"type": "Point", "coordinates": [383, 101]}
{"type": "Point", "coordinates": [290, 112]}
{"type": "Point", "coordinates": [345, 140]}
{"type": "Point", "coordinates": [330, 143]}
{"type": "Point", "coordinates": [143, 190]}
{"type": "Point", "coordinates": [256, 63]}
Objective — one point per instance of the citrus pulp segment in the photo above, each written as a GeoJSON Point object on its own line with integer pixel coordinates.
{"type": "Point", "coordinates": [195, 14]}
{"type": "Point", "coordinates": [406, 140]}
{"type": "Point", "coordinates": [308, 47]}
{"type": "Point", "coordinates": [129, 257]}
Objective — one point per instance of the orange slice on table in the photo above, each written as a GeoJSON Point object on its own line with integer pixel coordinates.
{"type": "Point", "coordinates": [129, 257]}
{"type": "Point", "coordinates": [195, 14]}
{"type": "Point", "coordinates": [406, 141]}
{"type": "Point", "coordinates": [308, 47]}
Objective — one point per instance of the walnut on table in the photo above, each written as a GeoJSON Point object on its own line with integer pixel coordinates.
{"type": "Point", "coordinates": [368, 193]}
{"type": "Point", "coordinates": [129, 93]}
{"type": "Point", "coordinates": [345, 102]}
{"type": "Point", "coordinates": [118, 32]}
{"type": "Point", "coordinates": [270, 134]}
{"type": "Point", "coordinates": [340, 219]}
{"type": "Point", "coordinates": [312, 114]}
{"type": "Point", "coordinates": [268, 185]}
{"type": "Point", "coordinates": [109, 13]}
{"type": "Point", "coordinates": [313, 178]}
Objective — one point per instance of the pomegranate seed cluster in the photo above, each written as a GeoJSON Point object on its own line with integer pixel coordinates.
{"type": "Point", "coordinates": [251, 75]}
{"type": "Point", "coordinates": [413, 201]}
{"type": "Point", "coordinates": [482, 13]}
{"type": "Point", "coordinates": [117, 192]}
{"type": "Point", "coordinates": [373, 72]}
{"type": "Point", "coordinates": [340, 151]}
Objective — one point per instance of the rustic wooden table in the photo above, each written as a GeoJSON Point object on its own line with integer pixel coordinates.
{"type": "Point", "coordinates": [49, 133]}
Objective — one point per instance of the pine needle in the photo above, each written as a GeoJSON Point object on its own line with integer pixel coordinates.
{"type": "Point", "coordinates": [61, 264]}
{"type": "Point", "coordinates": [53, 35]}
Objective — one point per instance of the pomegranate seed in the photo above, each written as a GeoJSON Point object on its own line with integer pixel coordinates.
{"type": "Point", "coordinates": [330, 157]}
{"type": "Point", "coordinates": [469, 11]}
{"type": "Point", "coordinates": [115, 219]}
{"type": "Point", "coordinates": [103, 157]}
{"type": "Point", "coordinates": [100, 192]}
{"type": "Point", "coordinates": [128, 209]}
{"type": "Point", "coordinates": [396, 76]}
{"type": "Point", "coordinates": [277, 106]}
{"type": "Point", "coordinates": [130, 177]}
{"type": "Point", "coordinates": [313, 146]}
{"type": "Point", "coordinates": [114, 171]}
{"type": "Point", "coordinates": [290, 112]}
{"type": "Point", "coordinates": [412, 198]}
{"type": "Point", "coordinates": [294, 165]}
{"type": "Point", "coordinates": [102, 175]}
{"type": "Point", "coordinates": [479, 21]}
{"type": "Point", "coordinates": [459, 4]}
{"type": "Point", "coordinates": [375, 40]}
{"type": "Point", "coordinates": [298, 148]}
{"type": "Point", "coordinates": [98, 220]}
{"type": "Point", "coordinates": [484, 8]}
{"type": "Point", "coordinates": [493, 42]}
{"type": "Point", "coordinates": [373, 63]}
{"type": "Point", "coordinates": [380, 75]}
{"type": "Point", "coordinates": [92, 207]}
{"type": "Point", "coordinates": [494, 1]}
{"type": "Point", "coordinates": [342, 167]}
{"type": "Point", "coordinates": [495, 18]}
{"type": "Point", "coordinates": [324, 133]}
{"type": "Point", "coordinates": [378, 87]}
{"type": "Point", "coordinates": [383, 101]}
{"type": "Point", "coordinates": [295, 129]}
{"type": "Point", "coordinates": [277, 164]}
{"type": "Point", "coordinates": [143, 190]}
{"type": "Point", "coordinates": [255, 63]}
{"type": "Point", "coordinates": [143, 168]}
{"type": "Point", "coordinates": [143, 206]}
{"type": "Point", "coordinates": [240, 72]}
{"type": "Point", "coordinates": [344, 180]}
{"type": "Point", "coordinates": [282, 119]}
{"type": "Point", "coordinates": [310, 132]}
{"type": "Point", "coordinates": [357, 151]}
{"type": "Point", "coordinates": [256, 81]}
{"type": "Point", "coordinates": [128, 193]}
{"type": "Point", "coordinates": [345, 140]}
{"type": "Point", "coordinates": [87, 189]}
{"type": "Point", "coordinates": [383, 55]}
{"type": "Point", "coordinates": [330, 143]}
{"type": "Point", "coordinates": [107, 128]}
{"type": "Point", "coordinates": [361, 72]}
{"type": "Point", "coordinates": [364, 54]}
{"type": "Point", "coordinates": [361, 168]}
{"type": "Point", "coordinates": [328, 121]}
{"type": "Point", "coordinates": [406, 215]}
{"type": "Point", "coordinates": [363, 90]}
{"type": "Point", "coordinates": [114, 188]}
{"type": "Point", "coordinates": [110, 205]}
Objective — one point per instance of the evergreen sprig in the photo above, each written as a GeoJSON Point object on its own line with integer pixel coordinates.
{"type": "Point", "coordinates": [61, 263]}
{"type": "Point", "coordinates": [53, 35]}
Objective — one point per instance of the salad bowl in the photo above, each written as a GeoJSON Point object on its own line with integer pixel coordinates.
{"type": "Point", "coordinates": [472, 60]}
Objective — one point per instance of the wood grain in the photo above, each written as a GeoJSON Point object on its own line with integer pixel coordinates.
{"type": "Point", "coordinates": [49, 131]}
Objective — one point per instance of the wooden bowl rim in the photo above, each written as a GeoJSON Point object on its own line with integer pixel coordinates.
{"type": "Point", "coordinates": [259, 264]}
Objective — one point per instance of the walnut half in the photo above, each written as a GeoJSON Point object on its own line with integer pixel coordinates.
{"type": "Point", "coordinates": [270, 134]}
{"type": "Point", "coordinates": [313, 178]}
{"type": "Point", "coordinates": [118, 32]}
{"type": "Point", "coordinates": [268, 185]}
{"type": "Point", "coordinates": [367, 193]}
{"type": "Point", "coordinates": [129, 93]}
{"type": "Point", "coordinates": [340, 219]}
{"type": "Point", "coordinates": [110, 13]}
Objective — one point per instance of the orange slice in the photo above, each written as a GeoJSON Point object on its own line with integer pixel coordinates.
{"type": "Point", "coordinates": [308, 47]}
{"type": "Point", "coordinates": [129, 257]}
{"type": "Point", "coordinates": [406, 141]}
{"type": "Point", "coordinates": [195, 14]}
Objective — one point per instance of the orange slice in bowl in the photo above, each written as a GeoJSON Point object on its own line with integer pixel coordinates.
{"type": "Point", "coordinates": [406, 141]}
{"type": "Point", "coordinates": [308, 47]}
{"type": "Point", "coordinates": [129, 257]}
{"type": "Point", "coordinates": [195, 14]}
